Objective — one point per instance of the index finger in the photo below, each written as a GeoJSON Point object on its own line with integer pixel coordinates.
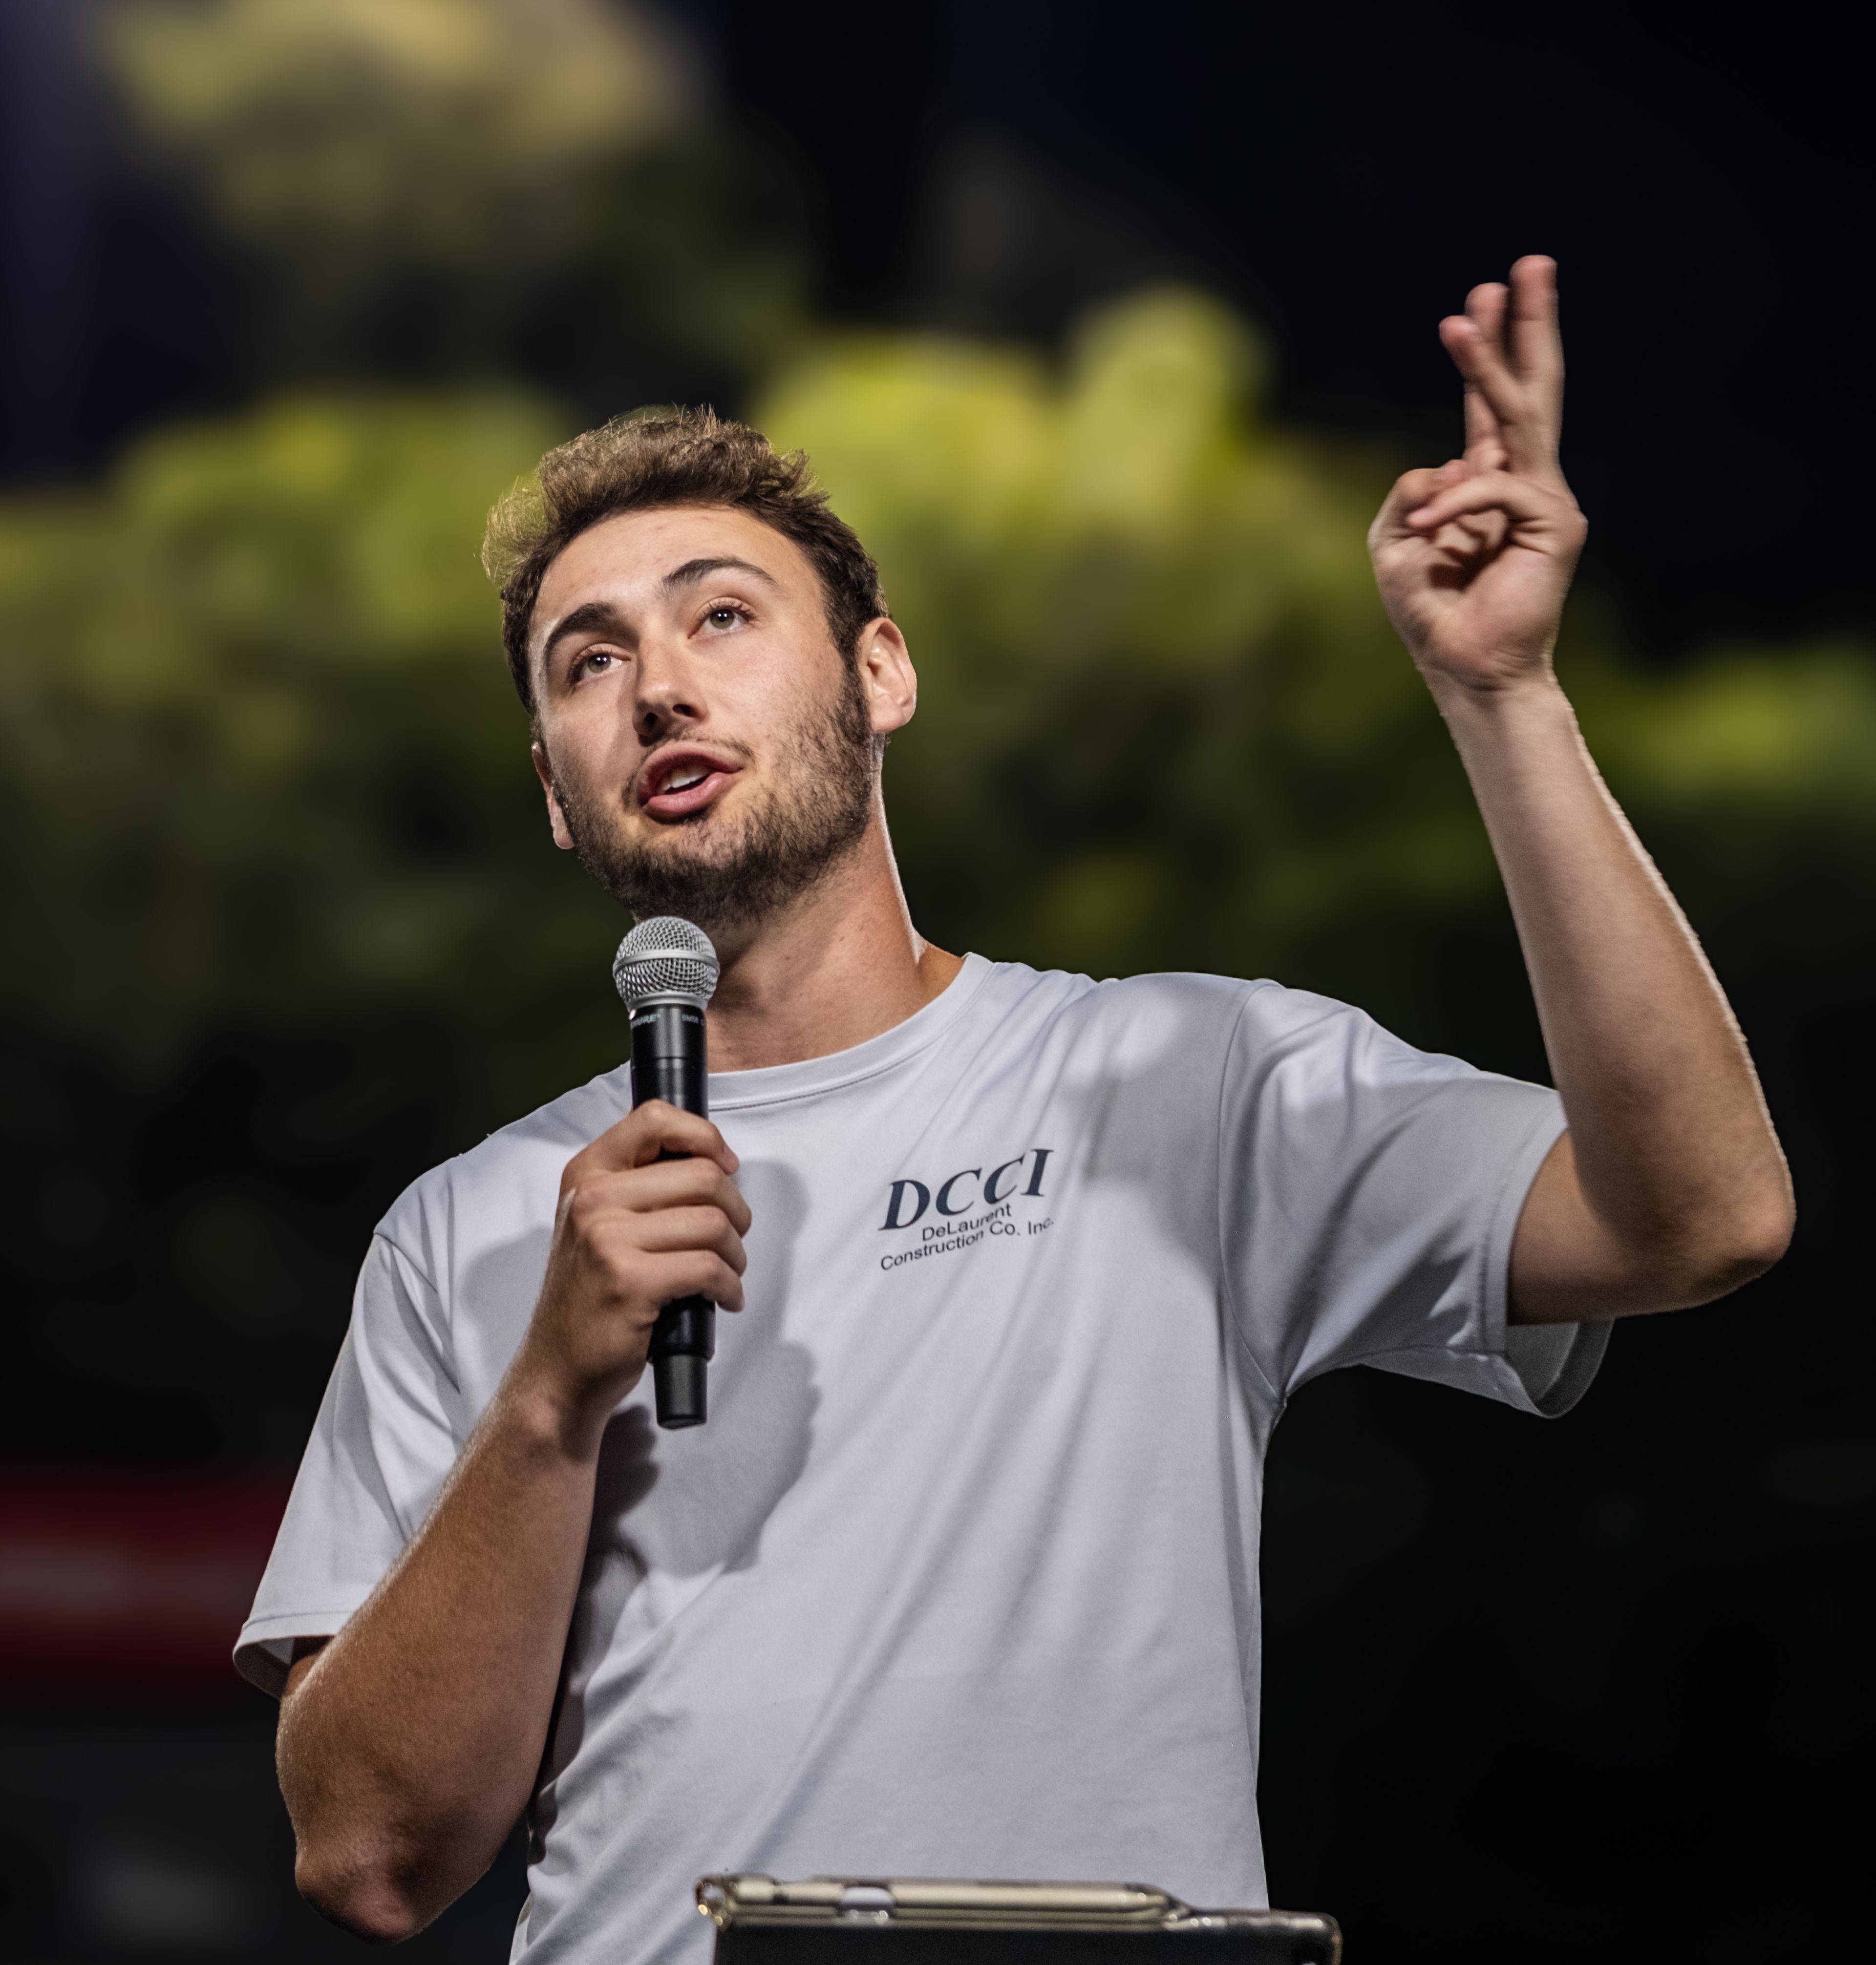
{"type": "Point", "coordinates": [650, 1130]}
{"type": "Point", "coordinates": [1485, 307]}
{"type": "Point", "coordinates": [1525, 427]}
{"type": "Point", "coordinates": [1484, 441]}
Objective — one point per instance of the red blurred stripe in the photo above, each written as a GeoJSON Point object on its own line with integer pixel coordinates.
{"type": "Point", "coordinates": [132, 1580]}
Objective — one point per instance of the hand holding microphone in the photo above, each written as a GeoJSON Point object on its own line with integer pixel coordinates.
{"type": "Point", "coordinates": [648, 1216]}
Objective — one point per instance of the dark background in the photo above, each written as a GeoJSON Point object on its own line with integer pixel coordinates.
{"type": "Point", "coordinates": [1536, 1691]}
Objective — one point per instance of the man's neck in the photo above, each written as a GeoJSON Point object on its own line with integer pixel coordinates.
{"type": "Point", "coordinates": [841, 964]}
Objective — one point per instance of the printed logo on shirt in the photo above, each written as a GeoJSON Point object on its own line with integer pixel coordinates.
{"type": "Point", "coordinates": [966, 1207]}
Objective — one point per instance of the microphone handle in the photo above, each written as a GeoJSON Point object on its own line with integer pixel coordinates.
{"type": "Point", "coordinates": [669, 1061]}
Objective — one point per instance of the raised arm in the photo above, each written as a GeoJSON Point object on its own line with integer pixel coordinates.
{"type": "Point", "coordinates": [410, 1744]}
{"type": "Point", "coordinates": [1669, 1187]}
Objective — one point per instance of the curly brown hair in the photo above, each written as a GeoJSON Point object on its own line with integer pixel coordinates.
{"type": "Point", "coordinates": [656, 458]}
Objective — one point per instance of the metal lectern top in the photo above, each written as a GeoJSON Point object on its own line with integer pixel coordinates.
{"type": "Point", "coordinates": [932, 1921]}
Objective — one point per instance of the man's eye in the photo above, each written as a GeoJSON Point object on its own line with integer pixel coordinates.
{"type": "Point", "coordinates": [723, 617]}
{"type": "Point", "coordinates": [593, 659]}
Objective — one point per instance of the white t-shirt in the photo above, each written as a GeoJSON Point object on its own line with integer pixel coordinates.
{"type": "Point", "coordinates": [961, 1579]}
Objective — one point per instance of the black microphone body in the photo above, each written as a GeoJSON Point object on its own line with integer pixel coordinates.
{"type": "Point", "coordinates": [670, 1061]}
{"type": "Point", "coordinates": [666, 970]}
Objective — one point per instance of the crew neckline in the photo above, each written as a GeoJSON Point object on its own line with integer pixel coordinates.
{"type": "Point", "coordinates": [770, 1084]}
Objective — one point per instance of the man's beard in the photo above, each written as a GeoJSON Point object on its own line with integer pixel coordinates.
{"type": "Point", "coordinates": [785, 840]}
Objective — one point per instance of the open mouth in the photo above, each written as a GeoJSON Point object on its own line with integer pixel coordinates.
{"type": "Point", "coordinates": [684, 782]}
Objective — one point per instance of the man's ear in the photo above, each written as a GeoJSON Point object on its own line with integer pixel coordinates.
{"type": "Point", "coordinates": [886, 676]}
{"type": "Point", "coordinates": [556, 819]}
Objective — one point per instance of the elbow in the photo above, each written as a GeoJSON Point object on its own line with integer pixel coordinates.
{"type": "Point", "coordinates": [1742, 1245]}
{"type": "Point", "coordinates": [1769, 1233]}
{"type": "Point", "coordinates": [365, 1897]}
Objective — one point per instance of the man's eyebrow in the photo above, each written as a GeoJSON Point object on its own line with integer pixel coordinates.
{"type": "Point", "coordinates": [589, 614]}
{"type": "Point", "coordinates": [693, 570]}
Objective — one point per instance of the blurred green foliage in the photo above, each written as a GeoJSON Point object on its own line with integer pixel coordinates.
{"type": "Point", "coordinates": [254, 675]}
{"type": "Point", "coordinates": [268, 830]}
{"type": "Point", "coordinates": [352, 130]}
{"type": "Point", "coordinates": [294, 928]}
{"type": "Point", "coordinates": [435, 186]}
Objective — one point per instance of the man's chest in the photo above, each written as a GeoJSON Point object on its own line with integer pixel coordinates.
{"type": "Point", "coordinates": [1013, 1208]}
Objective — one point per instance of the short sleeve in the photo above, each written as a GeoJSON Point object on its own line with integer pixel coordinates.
{"type": "Point", "coordinates": [380, 1448]}
{"type": "Point", "coordinates": [1369, 1196]}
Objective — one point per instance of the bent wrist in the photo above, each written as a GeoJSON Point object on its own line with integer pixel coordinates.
{"type": "Point", "coordinates": [1494, 711]}
{"type": "Point", "coordinates": [549, 1414]}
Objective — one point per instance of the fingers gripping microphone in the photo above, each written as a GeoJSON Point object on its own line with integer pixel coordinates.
{"type": "Point", "coordinates": [666, 970]}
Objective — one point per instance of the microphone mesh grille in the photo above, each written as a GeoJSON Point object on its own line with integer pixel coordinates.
{"type": "Point", "coordinates": [665, 956]}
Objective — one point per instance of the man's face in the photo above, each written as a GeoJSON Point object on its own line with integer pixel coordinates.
{"type": "Point", "coordinates": [707, 749]}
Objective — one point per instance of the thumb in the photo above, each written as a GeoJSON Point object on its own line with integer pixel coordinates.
{"type": "Point", "coordinates": [1411, 490]}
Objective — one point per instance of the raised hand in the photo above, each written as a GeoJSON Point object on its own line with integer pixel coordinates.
{"type": "Point", "coordinates": [1474, 558]}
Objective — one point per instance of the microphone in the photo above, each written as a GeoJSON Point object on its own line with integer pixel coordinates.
{"type": "Point", "coordinates": [666, 970]}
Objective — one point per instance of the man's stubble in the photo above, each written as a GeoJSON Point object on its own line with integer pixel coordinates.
{"type": "Point", "coordinates": [788, 835]}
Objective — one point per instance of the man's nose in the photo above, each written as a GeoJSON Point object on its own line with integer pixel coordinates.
{"type": "Point", "coordinates": [666, 696]}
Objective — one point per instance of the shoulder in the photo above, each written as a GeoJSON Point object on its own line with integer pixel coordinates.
{"type": "Point", "coordinates": [1280, 1028]}
{"type": "Point", "coordinates": [1170, 998]}
{"type": "Point", "coordinates": [1124, 1019]}
{"type": "Point", "coordinates": [1253, 1025]}
{"type": "Point", "coordinates": [515, 1172]}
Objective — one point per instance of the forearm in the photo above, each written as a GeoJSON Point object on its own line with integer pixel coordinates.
{"type": "Point", "coordinates": [1675, 1160]}
{"type": "Point", "coordinates": [409, 1747]}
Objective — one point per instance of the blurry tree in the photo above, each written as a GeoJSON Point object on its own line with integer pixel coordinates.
{"type": "Point", "coordinates": [265, 805]}
{"type": "Point", "coordinates": [296, 929]}
{"type": "Point", "coordinates": [352, 130]}
{"type": "Point", "coordinates": [423, 179]}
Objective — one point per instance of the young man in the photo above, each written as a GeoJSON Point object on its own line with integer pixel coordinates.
{"type": "Point", "coordinates": [961, 1579]}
